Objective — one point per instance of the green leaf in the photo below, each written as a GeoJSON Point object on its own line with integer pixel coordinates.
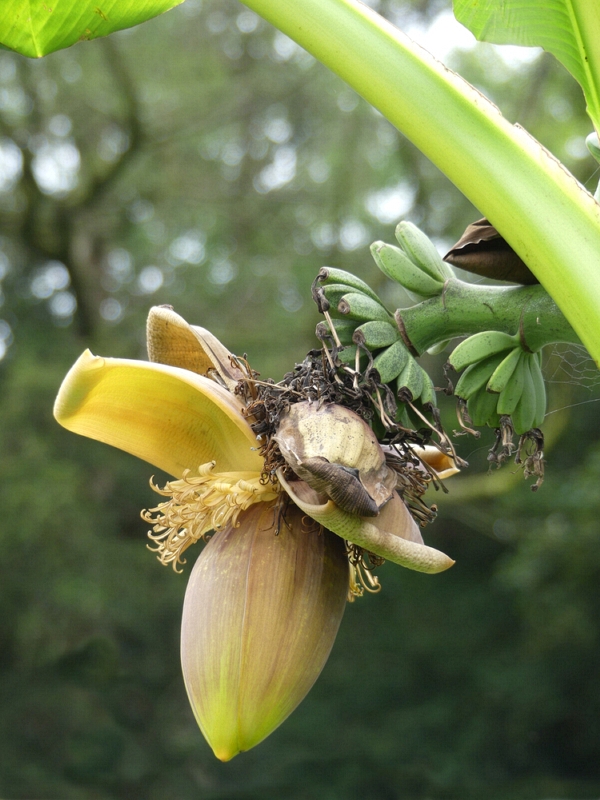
{"type": "Point", "coordinates": [569, 29]}
{"type": "Point", "coordinates": [38, 27]}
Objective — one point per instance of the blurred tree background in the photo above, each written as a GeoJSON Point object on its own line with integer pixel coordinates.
{"type": "Point", "coordinates": [205, 161]}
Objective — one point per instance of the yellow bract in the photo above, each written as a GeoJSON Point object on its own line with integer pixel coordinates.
{"type": "Point", "coordinates": [443, 465]}
{"type": "Point", "coordinates": [170, 417]}
{"type": "Point", "coordinates": [171, 340]}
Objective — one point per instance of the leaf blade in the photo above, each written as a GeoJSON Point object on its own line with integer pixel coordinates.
{"type": "Point", "coordinates": [35, 28]}
{"type": "Point", "coordinates": [568, 29]}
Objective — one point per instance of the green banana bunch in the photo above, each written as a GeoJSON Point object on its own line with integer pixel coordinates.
{"type": "Point", "coordinates": [376, 333]}
{"type": "Point", "coordinates": [506, 382]}
{"type": "Point", "coordinates": [364, 321]}
{"type": "Point", "coordinates": [352, 302]}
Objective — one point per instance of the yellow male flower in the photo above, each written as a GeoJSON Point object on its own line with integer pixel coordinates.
{"type": "Point", "coordinates": [267, 594]}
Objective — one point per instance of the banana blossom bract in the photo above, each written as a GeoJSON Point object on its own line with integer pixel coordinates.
{"type": "Point", "coordinates": [267, 594]}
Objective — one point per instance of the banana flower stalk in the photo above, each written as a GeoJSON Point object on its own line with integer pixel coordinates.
{"type": "Point", "coordinates": [266, 596]}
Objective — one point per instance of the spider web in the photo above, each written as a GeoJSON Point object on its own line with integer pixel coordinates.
{"type": "Point", "coordinates": [571, 365]}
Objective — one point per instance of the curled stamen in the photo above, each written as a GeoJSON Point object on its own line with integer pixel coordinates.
{"type": "Point", "coordinates": [361, 578]}
{"type": "Point", "coordinates": [199, 504]}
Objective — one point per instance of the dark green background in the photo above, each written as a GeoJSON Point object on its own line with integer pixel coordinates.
{"type": "Point", "coordinates": [478, 683]}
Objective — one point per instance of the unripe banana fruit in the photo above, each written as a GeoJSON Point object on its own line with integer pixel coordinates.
{"type": "Point", "coordinates": [344, 329]}
{"type": "Point", "coordinates": [376, 334]}
{"type": "Point", "coordinates": [482, 409]}
{"type": "Point", "coordinates": [427, 397]}
{"type": "Point", "coordinates": [422, 252]}
{"type": "Point", "coordinates": [347, 355]}
{"type": "Point", "coordinates": [411, 381]}
{"type": "Point", "coordinates": [504, 371]}
{"type": "Point", "coordinates": [334, 293]}
{"type": "Point", "coordinates": [480, 346]}
{"type": "Point", "coordinates": [359, 306]}
{"type": "Point", "coordinates": [329, 275]}
{"type": "Point", "coordinates": [391, 362]}
{"type": "Point", "coordinates": [394, 263]}
{"type": "Point", "coordinates": [539, 389]}
{"type": "Point", "coordinates": [524, 414]}
{"type": "Point", "coordinates": [513, 390]}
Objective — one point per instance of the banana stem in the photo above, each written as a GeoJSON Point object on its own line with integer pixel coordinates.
{"type": "Point", "coordinates": [463, 309]}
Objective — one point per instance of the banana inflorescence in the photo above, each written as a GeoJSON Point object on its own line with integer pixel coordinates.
{"type": "Point", "coordinates": [500, 378]}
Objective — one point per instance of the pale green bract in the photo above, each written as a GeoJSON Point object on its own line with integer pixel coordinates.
{"type": "Point", "coordinates": [38, 27]}
{"type": "Point", "coordinates": [569, 29]}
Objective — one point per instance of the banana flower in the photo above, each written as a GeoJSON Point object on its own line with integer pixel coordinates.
{"type": "Point", "coordinates": [266, 596]}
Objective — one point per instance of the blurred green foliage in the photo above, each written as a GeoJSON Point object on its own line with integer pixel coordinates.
{"type": "Point", "coordinates": [204, 161]}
